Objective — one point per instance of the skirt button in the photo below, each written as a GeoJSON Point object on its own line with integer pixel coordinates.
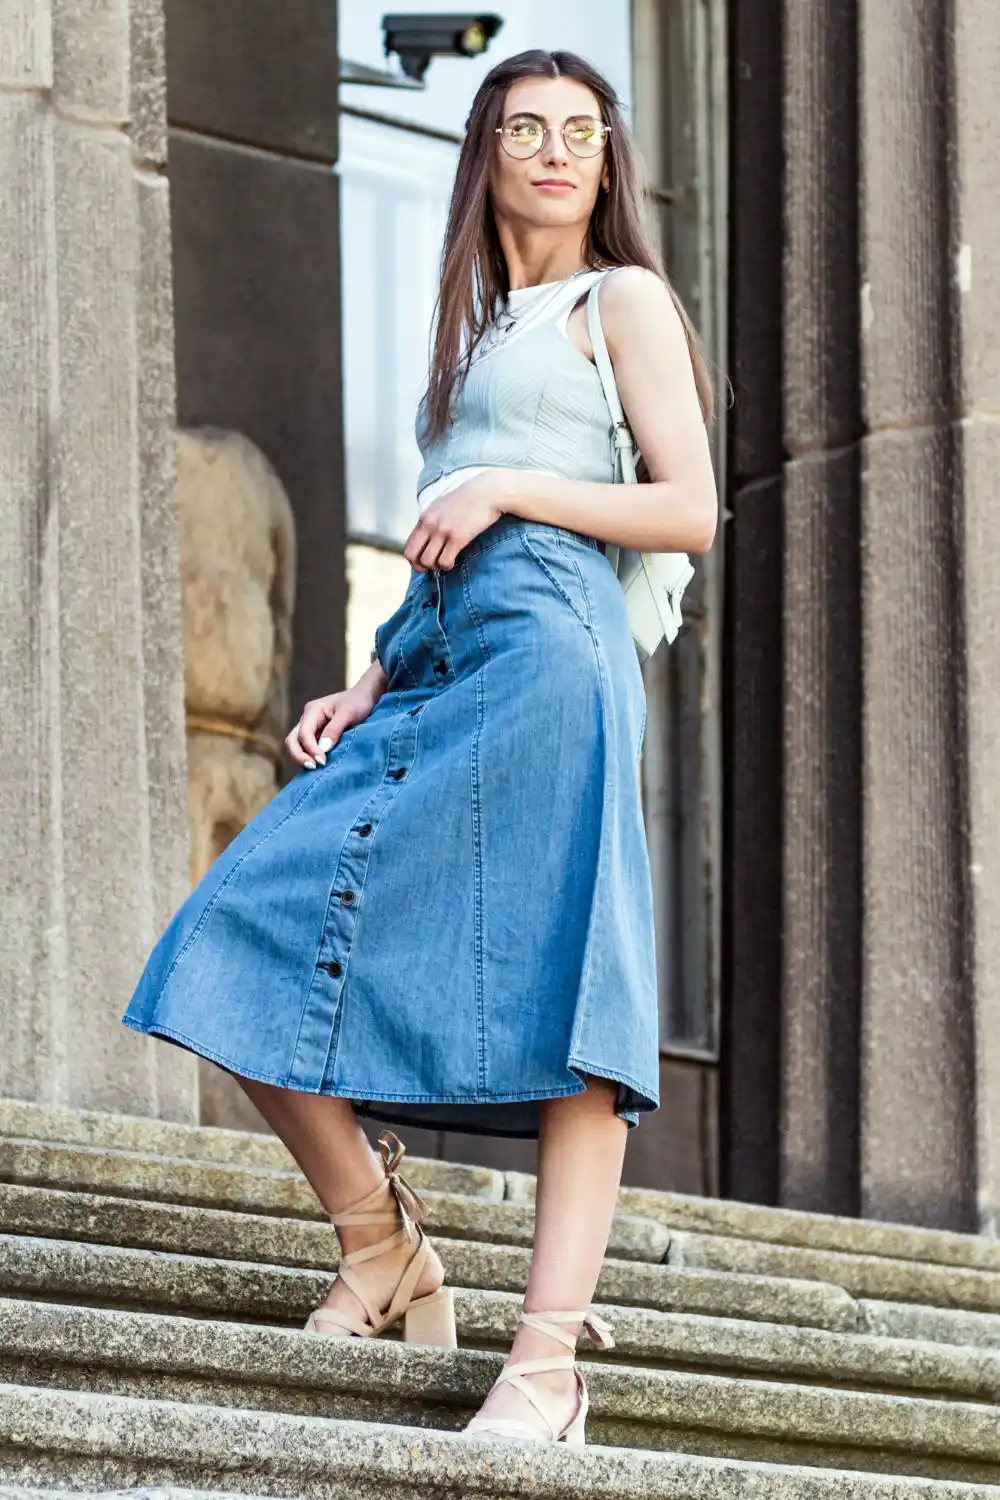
{"type": "Point", "coordinates": [348, 897]}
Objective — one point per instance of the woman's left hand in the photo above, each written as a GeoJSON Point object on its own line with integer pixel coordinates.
{"type": "Point", "coordinates": [449, 524]}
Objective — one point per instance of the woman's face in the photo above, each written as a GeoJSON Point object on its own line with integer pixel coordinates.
{"type": "Point", "coordinates": [555, 188]}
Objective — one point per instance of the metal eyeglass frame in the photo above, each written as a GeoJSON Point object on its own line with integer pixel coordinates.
{"type": "Point", "coordinates": [546, 129]}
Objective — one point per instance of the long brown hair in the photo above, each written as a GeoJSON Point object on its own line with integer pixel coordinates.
{"type": "Point", "coordinates": [473, 266]}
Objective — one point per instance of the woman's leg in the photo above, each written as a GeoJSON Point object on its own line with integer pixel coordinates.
{"type": "Point", "coordinates": [580, 1152]}
{"type": "Point", "coordinates": [325, 1138]}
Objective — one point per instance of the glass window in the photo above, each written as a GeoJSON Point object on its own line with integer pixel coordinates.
{"type": "Point", "coordinates": [396, 184]}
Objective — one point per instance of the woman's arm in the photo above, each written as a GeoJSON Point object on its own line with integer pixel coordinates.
{"type": "Point", "coordinates": [679, 510]}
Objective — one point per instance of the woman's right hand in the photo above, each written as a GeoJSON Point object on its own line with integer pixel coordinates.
{"type": "Point", "coordinates": [324, 720]}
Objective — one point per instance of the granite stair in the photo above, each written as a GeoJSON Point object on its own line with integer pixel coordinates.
{"type": "Point", "coordinates": [154, 1277]}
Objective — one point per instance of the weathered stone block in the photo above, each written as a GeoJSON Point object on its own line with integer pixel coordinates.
{"type": "Point", "coordinates": [106, 853]}
{"type": "Point", "coordinates": [917, 1044]}
{"type": "Point", "coordinates": [821, 354]}
{"type": "Point", "coordinates": [163, 683]}
{"type": "Point", "coordinates": [26, 45]}
{"type": "Point", "coordinates": [821, 950]}
{"type": "Point", "coordinates": [862, 1275]}
{"type": "Point", "coordinates": [980, 447]}
{"type": "Point", "coordinates": [192, 1360]}
{"type": "Point", "coordinates": [976, 244]}
{"type": "Point", "coordinates": [27, 550]}
{"type": "Point", "coordinates": [785, 1226]}
{"type": "Point", "coordinates": [258, 73]}
{"type": "Point", "coordinates": [91, 58]}
{"type": "Point", "coordinates": [932, 1324]}
{"type": "Point", "coordinates": [162, 1281]}
{"type": "Point", "coordinates": [148, 80]}
{"type": "Point", "coordinates": [48, 1437]}
{"type": "Point", "coordinates": [908, 338]}
{"type": "Point", "coordinates": [255, 1365]}
{"type": "Point", "coordinates": [194, 1143]}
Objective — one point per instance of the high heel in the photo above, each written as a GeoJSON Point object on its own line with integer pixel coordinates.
{"type": "Point", "coordinates": [426, 1320]}
{"type": "Point", "coordinates": [574, 1432]}
{"type": "Point", "coordinates": [431, 1320]}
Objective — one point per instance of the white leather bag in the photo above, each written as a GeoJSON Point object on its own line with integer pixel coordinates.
{"type": "Point", "coordinates": [653, 582]}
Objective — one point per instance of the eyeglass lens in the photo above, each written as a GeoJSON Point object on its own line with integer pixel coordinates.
{"type": "Point", "coordinates": [523, 135]}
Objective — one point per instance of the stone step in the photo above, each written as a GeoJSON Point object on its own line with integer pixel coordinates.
{"type": "Point", "coordinates": [876, 1276]}
{"type": "Point", "coordinates": [938, 1325]}
{"type": "Point", "coordinates": [99, 1441]}
{"type": "Point", "coordinates": [243, 1365]}
{"type": "Point", "coordinates": [245, 1189]}
{"type": "Point", "coordinates": [208, 1143]}
{"type": "Point", "coordinates": [157, 1492]}
{"type": "Point", "coordinates": [786, 1226]}
{"type": "Point", "coordinates": [486, 1319]}
{"type": "Point", "coordinates": [674, 1211]}
{"type": "Point", "coordinates": [77, 1170]}
{"type": "Point", "coordinates": [131, 1174]}
{"type": "Point", "coordinates": [220, 1234]}
{"type": "Point", "coordinates": [125, 1277]}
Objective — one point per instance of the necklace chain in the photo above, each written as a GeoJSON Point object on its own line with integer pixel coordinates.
{"type": "Point", "coordinates": [532, 310]}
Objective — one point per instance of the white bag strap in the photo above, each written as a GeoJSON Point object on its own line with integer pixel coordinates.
{"type": "Point", "coordinates": [670, 618]}
{"type": "Point", "coordinates": [624, 441]}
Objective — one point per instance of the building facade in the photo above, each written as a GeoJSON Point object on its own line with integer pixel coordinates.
{"type": "Point", "coordinates": [818, 774]}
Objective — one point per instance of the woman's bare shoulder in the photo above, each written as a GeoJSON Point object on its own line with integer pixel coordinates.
{"type": "Point", "coordinates": [636, 302]}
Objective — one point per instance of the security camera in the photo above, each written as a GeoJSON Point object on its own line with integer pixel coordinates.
{"type": "Point", "coordinates": [416, 39]}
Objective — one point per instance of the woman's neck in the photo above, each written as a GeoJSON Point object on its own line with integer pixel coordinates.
{"type": "Point", "coordinates": [534, 259]}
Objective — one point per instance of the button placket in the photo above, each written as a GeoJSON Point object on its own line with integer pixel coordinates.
{"type": "Point", "coordinates": [352, 866]}
{"type": "Point", "coordinates": [433, 637]}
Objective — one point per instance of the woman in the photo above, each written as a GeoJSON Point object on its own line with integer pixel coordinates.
{"type": "Point", "coordinates": [446, 917]}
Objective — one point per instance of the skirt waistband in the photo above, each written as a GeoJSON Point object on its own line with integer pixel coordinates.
{"type": "Point", "coordinates": [508, 523]}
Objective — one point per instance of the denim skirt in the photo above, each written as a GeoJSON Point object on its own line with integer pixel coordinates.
{"type": "Point", "coordinates": [452, 919]}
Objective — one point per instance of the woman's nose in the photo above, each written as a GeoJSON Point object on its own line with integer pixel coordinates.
{"type": "Point", "coordinates": [554, 152]}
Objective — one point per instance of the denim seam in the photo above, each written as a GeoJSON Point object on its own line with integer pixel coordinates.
{"type": "Point", "coordinates": [596, 1072]}
{"type": "Point", "coordinates": [563, 593]}
{"type": "Point", "coordinates": [211, 904]}
{"type": "Point", "coordinates": [474, 614]}
{"type": "Point", "coordinates": [572, 562]}
{"type": "Point", "coordinates": [285, 1081]}
{"type": "Point", "coordinates": [477, 876]}
{"type": "Point", "coordinates": [327, 913]}
{"type": "Point", "coordinates": [582, 1006]}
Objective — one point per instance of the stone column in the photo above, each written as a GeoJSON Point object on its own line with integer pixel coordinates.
{"type": "Point", "coordinates": [822, 612]}
{"type": "Point", "coordinates": [924, 637]}
{"type": "Point", "coordinates": [92, 799]}
{"type": "Point", "coordinates": [975, 250]}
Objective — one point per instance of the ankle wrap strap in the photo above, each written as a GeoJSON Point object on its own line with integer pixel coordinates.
{"type": "Point", "coordinates": [409, 1207]}
{"type": "Point", "coordinates": [597, 1329]}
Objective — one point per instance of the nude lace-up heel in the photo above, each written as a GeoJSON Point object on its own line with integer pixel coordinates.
{"type": "Point", "coordinates": [426, 1320]}
{"type": "Point", "coordinates": [574, 1433]}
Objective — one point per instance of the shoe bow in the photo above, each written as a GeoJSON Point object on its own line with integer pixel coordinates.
{"type": "Point", "coordinates": [412, 1208]}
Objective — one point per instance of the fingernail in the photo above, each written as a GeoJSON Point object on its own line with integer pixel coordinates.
{"type": "Point", "coordinates": [321, 757]}
{"type": "Point", "coordinates": [325, 744]}
{"type": "Point", "coordinates": [310, 765]}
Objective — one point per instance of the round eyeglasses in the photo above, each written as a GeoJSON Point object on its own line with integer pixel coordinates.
{"type": "Point", "coordinates": [524, 135]}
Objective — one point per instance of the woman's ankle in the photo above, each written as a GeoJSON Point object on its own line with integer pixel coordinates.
{"type": "Point", "coordinates": [353, 1237]}
{"type": "Point", "coordinates": [529, 1344]}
